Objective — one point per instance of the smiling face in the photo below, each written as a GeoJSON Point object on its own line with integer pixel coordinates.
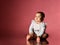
{"type": "Point", "coordinates": [38, 17]}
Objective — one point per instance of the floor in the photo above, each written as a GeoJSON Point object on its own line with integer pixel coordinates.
{"type": "Point", "coordinates": [18, 41]}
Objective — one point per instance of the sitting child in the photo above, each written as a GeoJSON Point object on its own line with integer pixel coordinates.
{"type": "Point", "coordinates": [37, 27]}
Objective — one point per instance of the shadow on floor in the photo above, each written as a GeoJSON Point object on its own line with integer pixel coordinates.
{"type": "Point", "coordinates": [33, 42]}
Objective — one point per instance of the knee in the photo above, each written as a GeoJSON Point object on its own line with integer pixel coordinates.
{"type": "Point", "coordinates": [45, 35]}
{"type": "Point", "coordinates": [27, 37]}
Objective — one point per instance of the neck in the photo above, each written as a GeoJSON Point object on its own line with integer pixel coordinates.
{"type": "Point", "coordinates": [38, 22]}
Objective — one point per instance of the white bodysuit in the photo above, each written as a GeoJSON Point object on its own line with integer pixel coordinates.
{"type": "Point", "coordinates": [38, 28]}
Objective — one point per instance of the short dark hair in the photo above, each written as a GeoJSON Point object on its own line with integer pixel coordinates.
{"type": "Point", "coordinates": [42, 15]}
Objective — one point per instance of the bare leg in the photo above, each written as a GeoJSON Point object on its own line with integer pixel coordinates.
{"type": "Point", "coordinates": [29, 36]}
{"type": "Point", "coordinates": [45, 35]}
{"type": "Point", "coordinates": [38, 39]}
{"type": "Point", "coordinates": [43, 38]}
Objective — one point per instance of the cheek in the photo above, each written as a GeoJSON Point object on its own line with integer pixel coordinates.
{"type": "Point", "coordinates": [38, 18]}
{"type": "Point", "coordinates": [35, 18]}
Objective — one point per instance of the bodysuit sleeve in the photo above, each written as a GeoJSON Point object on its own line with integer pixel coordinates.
{"type": "Point", "coordinates": [31, 27]}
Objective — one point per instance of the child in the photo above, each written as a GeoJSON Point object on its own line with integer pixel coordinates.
{"type": "Point", "coordinates": [37, 27]}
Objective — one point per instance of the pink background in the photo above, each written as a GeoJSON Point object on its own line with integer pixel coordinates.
{"type": "Point", "coordinates": [16, 16]}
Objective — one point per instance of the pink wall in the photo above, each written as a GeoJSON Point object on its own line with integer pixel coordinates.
{"type": "Point", "coordinates": [16, 16]}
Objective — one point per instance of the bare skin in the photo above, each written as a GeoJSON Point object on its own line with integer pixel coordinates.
{"type": "Point", "coordinates": [37, 39]}
{"type": "Point", "coordinates": [29, 36]}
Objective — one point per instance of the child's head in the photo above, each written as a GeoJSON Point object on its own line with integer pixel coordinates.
{"type": "Point", "coordinates": [39, 17]}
